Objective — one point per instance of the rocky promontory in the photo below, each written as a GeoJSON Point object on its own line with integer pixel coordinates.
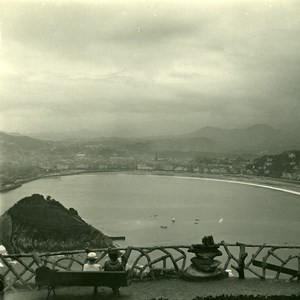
{"type": "Point", "coordinates": [43, 224]}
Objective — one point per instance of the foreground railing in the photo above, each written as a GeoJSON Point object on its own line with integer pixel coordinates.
{"type": "Point", "coordinates": [149, 263]}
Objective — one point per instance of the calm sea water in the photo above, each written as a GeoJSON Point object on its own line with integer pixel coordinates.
{"type": "Point", "coordinates": [137, 206]}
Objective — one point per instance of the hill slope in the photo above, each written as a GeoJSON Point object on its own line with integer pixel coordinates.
{"type": "Point", "coordinates": [38, 224]}
{"type": "Point", "coordinates": [259, 137]}
{"type": "Point", "coordinates": [21, 141]}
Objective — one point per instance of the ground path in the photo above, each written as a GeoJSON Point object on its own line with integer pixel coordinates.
{"type": "Point", "coordinates": [168, 289]}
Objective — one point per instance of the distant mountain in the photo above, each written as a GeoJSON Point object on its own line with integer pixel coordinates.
{"type": "Point", "coordinates": [85, 135]}
{"type": "Point", "coordinates": [64, 135]}
{"type": "Point", "coordinates": [259, 137]}
{"type": "Point", "coordinates": [254, 139]}
{"type": "Point", "coordinates": [197, 144]}
{"type": "Point", "coordinates": [44, 225]}
{"type": "Point", "coordinates": [293, 127]}
{"type": "Point", "coordinates": [144, 145]}
{"type": "Point", "coordinates": [261, 127]}
{"type": "Point", "coordinates": [15, 141]}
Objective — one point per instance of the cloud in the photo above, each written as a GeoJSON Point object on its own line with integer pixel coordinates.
{"type": "Point", "coordinates": [188, 63]}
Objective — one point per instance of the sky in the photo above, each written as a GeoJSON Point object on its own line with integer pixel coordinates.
{"type": "Point", "coordinates": [141, 68]}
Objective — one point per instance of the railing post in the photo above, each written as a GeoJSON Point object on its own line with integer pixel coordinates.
{"type": "Point", "coordinates": [298, 277]}
{"type": "Point", "coordinates": [1, 284]}
{"type": "Point", "coordinates": [241, 261]}
{"type": "Point", "coordinates": [164, 263]}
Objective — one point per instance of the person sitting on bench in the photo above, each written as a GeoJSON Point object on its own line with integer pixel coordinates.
{"type": "Point", "coordinates": [91, 265]}
{"type": "Point", "coordinates": [113, 264]}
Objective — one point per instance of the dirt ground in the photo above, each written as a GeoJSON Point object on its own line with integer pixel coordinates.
{"type": "Point", "coordinates": [167, 289]}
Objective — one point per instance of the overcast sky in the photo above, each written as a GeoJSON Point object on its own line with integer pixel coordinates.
{"type": "Point", "coordinates": [148, 67]}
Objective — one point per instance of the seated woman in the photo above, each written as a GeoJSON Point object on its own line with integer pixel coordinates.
{"type": "Point", "coordinates": [91, 264]}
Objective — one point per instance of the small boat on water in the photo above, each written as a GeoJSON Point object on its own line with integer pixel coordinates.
{"type": "Point", "coordinates": [164, 227]}
{"type": "Point", "coordinates": [197, 219]}
{"type": "Point", "coordinates": [196, 223]}
{"type": "Point", "coordinates": [173, 220]}
{"type": "Point", "coordinates": [154, 215]}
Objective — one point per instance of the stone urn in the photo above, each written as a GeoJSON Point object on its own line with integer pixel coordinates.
{"type": "Point", "coordinates": [204, 266]}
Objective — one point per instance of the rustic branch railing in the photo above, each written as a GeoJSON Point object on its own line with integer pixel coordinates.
{"type": "Point", "coordinates": [149, 263]}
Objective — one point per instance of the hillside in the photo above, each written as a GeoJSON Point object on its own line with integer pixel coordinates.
{"type": "Point", "coordinates": [23, 158]}
{"type": "Point", "coordinates": [256, 138]}
{"type": "Point", "coordinates": [284, 165]}
{"type": "Point", "coordinates": [259, 137]}
{"type": "Point", "coordinates": [21, 141]}
{"type": "Point", "coordinates": [197, 144]}
{"type": "Point", "coordinates": [38, 224]}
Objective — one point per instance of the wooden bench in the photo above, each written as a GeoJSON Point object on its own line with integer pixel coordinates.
{"type": "Point", "coordinates": [54, 278]}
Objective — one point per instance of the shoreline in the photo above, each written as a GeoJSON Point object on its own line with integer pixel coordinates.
{"type": "Point", "coordinates": [278, 184]}
{"type": "Point", "coordinates": [293, 188]}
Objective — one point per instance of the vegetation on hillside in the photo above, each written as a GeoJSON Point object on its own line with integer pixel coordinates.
{"type": "Point", "coordinates": [39, 224]}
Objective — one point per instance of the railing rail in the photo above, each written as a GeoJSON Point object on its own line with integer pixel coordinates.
{"type": "Point", "coordinates": [148, 263]}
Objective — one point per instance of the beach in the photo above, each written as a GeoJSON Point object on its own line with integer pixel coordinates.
{"type": "Point", "coordinates": [290, 186]}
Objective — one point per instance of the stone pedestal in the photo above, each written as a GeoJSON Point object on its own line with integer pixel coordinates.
{"type": "Point", "coordinates": [204, 266]}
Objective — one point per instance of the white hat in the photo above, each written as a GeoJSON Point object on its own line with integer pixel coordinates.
{"type": "Point", "coordinates": [3, 250]}
{"type": "Point", "coordinates": [92, 256]}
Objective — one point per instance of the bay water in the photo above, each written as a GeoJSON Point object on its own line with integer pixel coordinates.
{"type": "Point", "coordinates": [141, 207]}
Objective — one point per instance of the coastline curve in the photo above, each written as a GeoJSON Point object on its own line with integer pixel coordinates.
{"type": "Point", "coordinates": [232, 181]}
